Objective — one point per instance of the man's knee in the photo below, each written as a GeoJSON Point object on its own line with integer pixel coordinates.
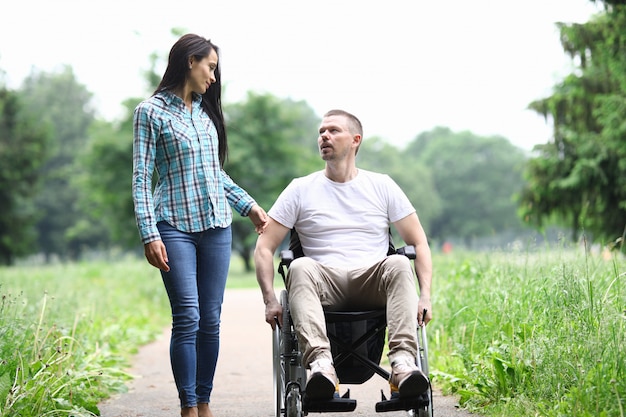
{"type": "Point", "coordinates": [398, 264]}
{"type": "Point", "coordinates": [398, 271]}
{"type": "Point", "coordinates": [302, 263]}
{"type": "Point", "coordinates": [301, 270]}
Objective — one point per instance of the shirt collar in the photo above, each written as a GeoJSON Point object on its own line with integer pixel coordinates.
{"type": "Point", "coordinates": [171, 98]}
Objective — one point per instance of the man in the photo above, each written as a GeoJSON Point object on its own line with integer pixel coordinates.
{"type": "Point", "coordinates": [342, 215]}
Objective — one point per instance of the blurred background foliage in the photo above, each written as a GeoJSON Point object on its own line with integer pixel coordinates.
{"type": "Point", "coordinates": [65, 174]}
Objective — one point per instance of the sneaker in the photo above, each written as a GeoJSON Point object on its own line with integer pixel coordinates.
{"type": "Point", "coordinates": [407, 380]}
{"type": "Point", "coordinates": [323, 383]}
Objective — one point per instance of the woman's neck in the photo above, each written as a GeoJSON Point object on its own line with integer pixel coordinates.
{"type": "Point", "coordinates": [186, 95]}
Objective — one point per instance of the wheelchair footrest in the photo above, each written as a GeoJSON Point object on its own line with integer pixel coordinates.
{"type": "Point", "coordinates": [337, 404]}
{"type": "Point", "coordinates": [399, 404]}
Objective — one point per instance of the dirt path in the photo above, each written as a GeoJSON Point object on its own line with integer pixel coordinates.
{"type": "Point", "coordinates": [243, 382]}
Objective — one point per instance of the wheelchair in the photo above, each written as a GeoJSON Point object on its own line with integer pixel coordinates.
{"type": "Point", "coordinates": [357, 342]}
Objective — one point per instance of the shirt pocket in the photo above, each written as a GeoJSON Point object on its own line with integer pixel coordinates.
{"type": "Point", "coordinates": [179, 137]}
{"type": "Point", "coordinates": [180, 130]}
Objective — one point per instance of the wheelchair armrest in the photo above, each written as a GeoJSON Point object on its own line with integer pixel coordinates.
{"type": "Point", "coordinates": [408, 251]}
{"type": "Point", "coordinates": [286, 256]}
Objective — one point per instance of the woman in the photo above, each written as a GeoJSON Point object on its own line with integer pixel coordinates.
{"type": "Point", "coordinates": [185, 224]}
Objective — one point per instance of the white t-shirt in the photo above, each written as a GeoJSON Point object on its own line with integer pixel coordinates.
{"type": "Point", "coordinates": [342, 224]}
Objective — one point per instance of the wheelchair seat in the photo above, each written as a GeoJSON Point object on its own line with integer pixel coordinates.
{"type": "Point", "coordinates": [357, 341]}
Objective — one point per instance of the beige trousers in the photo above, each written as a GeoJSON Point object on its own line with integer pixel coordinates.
{"type": "Point", "coordinates": [312, 287]}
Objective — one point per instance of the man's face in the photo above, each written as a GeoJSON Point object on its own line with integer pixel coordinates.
{"type": "Point", "coordinates": [335, 140]}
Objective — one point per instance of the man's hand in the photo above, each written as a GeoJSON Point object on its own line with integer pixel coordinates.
{"type": "Point", "coordinates": [424, 306]}
{"type": "Point", "coordinates": [274, 314]}
{"type": "Point", "coordinates": [266, 245]}
{"type": "Point", "coordinates": [157, 255]}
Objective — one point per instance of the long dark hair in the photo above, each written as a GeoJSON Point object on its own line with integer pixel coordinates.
{"type": "Point", "coordinates": [176, 74]}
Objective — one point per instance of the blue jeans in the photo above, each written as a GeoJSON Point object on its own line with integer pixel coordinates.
{"type": "Point", "coordinates": [195, 286]}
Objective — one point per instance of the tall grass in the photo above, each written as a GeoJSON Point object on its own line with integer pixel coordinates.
{"type": "Point", "coordinates": [68, 332]}
{"type": "Point", "coordinates": [532, 334]}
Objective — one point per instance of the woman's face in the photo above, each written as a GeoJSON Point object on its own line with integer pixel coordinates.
{"type": "Point", "coordinates": [202, 73]}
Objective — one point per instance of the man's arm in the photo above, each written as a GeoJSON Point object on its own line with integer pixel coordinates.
{"type": "Point", "coordinates": [266, 246]}
{"type": "Point", "coordinates": [412, 232]}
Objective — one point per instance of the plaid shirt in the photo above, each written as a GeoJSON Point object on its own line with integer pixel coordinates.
{"type": "Point", "coordinates": [192, 192]}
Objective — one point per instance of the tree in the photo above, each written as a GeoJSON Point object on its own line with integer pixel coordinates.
{"type": "Point", "coordinates": [59, 100]}
{"type": "Point", "coordinates": [476, 179]}
{"type": "Point", "coordinates": [23, 149]}
{"type": "Point", "coordinates": [108, 160]}
{"type": "Point", "coordinates": [105, 184]}
{"type": "Point", "coordinates": [580, 175]}
{"type": "Point", "coordinates": [271, 141]}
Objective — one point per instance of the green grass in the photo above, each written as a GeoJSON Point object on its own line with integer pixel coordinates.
{"type": "Point", "coordinates": [514, 334]}
{"type": "Point", "coordinates": [68, 332]}
{"type": "Point", "coordinates": [542, 334]}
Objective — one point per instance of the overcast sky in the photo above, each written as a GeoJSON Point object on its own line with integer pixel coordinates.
{"type": "Point", "coordinates": [402, 66]}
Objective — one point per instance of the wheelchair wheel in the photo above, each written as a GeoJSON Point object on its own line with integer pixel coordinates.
{"type": "Point", "coordinates": [289, 374]}
{"type": "Point", "coordinates": [426, 411]}
{"type": "Point", "coordinates": [423, 350]}
{"type": "Point", "coordinates": [279, 372]}
{"type": "Point", "coordinates": [293, 402]}
{"type": "Point", "coordinates": [421, 412]}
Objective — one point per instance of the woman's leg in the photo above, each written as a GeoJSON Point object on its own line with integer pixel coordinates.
{"type": "Point", "coordinates": [182, 290]}
{"type": "Point", "coordinates": [214, 252]}
{"type": "Point", "coordinates": [204, 410]}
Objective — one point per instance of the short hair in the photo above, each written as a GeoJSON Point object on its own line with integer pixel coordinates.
{"type": "Point", "coordinates": [353, 121]}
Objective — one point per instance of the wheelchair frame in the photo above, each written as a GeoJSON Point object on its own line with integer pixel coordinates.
{"type": "Point", "coordinates": [290, 375]}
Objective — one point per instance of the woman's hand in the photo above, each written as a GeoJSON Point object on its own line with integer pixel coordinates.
{"type": "Point", "coordinates": [259, 218]}
{"type": "Point", "coordinates": [157, 255]}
